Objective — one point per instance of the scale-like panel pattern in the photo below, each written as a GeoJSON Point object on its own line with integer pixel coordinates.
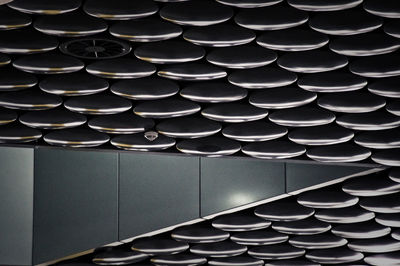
{"type": "Point", "coordinates": [356, 222]}
{"type": "Point", "coordinates": [312, 79]}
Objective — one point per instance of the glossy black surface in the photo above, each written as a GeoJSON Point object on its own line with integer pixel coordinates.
{"type": "Point", "coordinates": [316, 61]}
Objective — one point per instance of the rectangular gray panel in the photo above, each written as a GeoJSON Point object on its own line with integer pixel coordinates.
{"type": "Point", "coordinates": [16, 205]}
{"type": "Point", "coordinates": [299, 175]}
{"type": "Point", "coordinates": [76, 201]}
{"type": "Point", "coordinates": [156, 191]}
{"type": "Point", "coordinates": [231, 182]}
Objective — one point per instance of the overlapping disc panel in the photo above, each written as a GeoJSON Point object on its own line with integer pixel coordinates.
{"type": "Point", "coordinates": [356, 222]}
{"type": "Point", "coordinates": [270, 79]}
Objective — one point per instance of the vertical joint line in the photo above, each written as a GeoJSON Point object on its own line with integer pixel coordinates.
{"type": "Point", "coordinates": [199, 187]}
{"type": "Point", "coordinates": [118, 193]}
{"type": "Point", "coordinates": [284, 174]}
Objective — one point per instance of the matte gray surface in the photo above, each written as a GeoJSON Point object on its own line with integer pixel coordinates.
{"type": "Point", "coordinates": [227, 183]}
{"type": "Point", "coordinates": [156, 191]}
{"type": "Point", "coordinates": [16, 205]}
{"type": "Point", "coordinates": [300, 176]}
{"type": "Point", "coordinates": [76, 202]}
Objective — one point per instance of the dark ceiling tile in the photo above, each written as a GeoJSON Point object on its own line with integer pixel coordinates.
{"type": "Point", "coordinates": [390, 157]}
{"type": "Point", "coordinates": [331, 81]}
{"type": "Point", "coordinates": [376, 245]}
{"type": "Point", "coordinates": [234, 112]}
{"type": "Point", "coordinates": [76, 137]}
{"type": "Point", "coordinates": [97, 104]}
{"type": "Point", "coordinates": [322, 5]}
{"type": "Point", "coordinates": [312, 61]}
{"type": "Point", "coordinates": [276, 252]}
{"type": "Point", "coordinates": [58, 118]}
{"type": "Point", "coordinates": [273, 149]}
{"type": "Point", "coordinates": [120, 9]}
{"type": "Point", "coordinates": [192, 72]}
{"type": "Point", "coordinates": [17, 133]}
{"type": "Point", "coordinates": [12, 19]}
{"type": "Point", "coordinates": [378, 66]}
{"type": "Point", "coordinates": [221, 35]}
{"type": "Point", "coordinates": [363, 230]}
{"type": "Point", "coordinates": [380, 139]}
{"type": "Point", "coordinates": [169, 52]}
{"type": "Point", "coordinates": [166, 108]}
{"type": "Point", "coordinates": [387, 87]}
{"type": "Point", "coordinates": [249, 3]}
{"type": "Point", "coordinates": [145, 30]}
{"type": "Point", "coordinates": [387, 8]}
{"type": "Point", "coordinates": [394, 107]}
{"type": "Point", "coordinates": [147, 88]}
{"type": "Point", "coordinates": [196, 13]}
{"type": "Point", "coordinates": [178, 259]}
{"type": "Point", "coordinates": [320, 241]}
{"type": "Point", "coordinates": [254, 131]}
{"type": "Point", "coordinates": [271, 18]}
{"type": "Point", "coordinates": [220, 249]}
{"type": "Point", "coordinates": [12, 80]}
{"type": "Point", "coordinates": [382, 204]}
{"type": "Point", "coordinates": [378, 120]}
{"type": "Point", "coordinates": [281, 98]}
{"type": "Point", "coordinates": [125, 123]}
{"type": "Point", "coordinates": [259, 238]}
{"type": "Point", "coordinates": [364, 44]}
{"type": "Point", "coordinates": [351, 102]}
{"type": "Point", "coordinates": [46, 7]}
{"type": "Point", "coordinates": [188, 127]}
{"type": "Point", "coordinates": [29, 100]}
{"type": "Point", "coordinates": [74, 24]}
{"type": "Point", "coordinates": [262, 78]}
{"type": "Point", "coordinates": [158, 246]}
{"type": "Point", "coordinates": [213, 92]}
{"type": "Point", "coordinates": [292, 40]}
{"type": "Point", "coordinates": [334, 256]}
{"type": "Point", "coordinates": [388, 219]}
{"type": "Point", "coordinates": [302, 117]}
{"type": "Point", "coordinates": [241, 57]}
{"type": "Point", "coordinates": [392, 27]}
{"type": "Point", "coordinates": [26, 41]}
{"type": "Point", "coordinates": [48, 64]}
{"type": "Point", "coordinates": [371, 186]}
{"type": "Point", "coordinates": [235, 261]}
{"type": "Point", "coordinates": [209, 146]}
{"type": "Point", "coordinates": [348, 215]}
{"type": "Point", "coordinates": [7, 116]}
{"type": "Point", "coordinates": [121, 68]}
{"type": "Point", "coordinates": [199, 234]}
{"type": "Point", "coordinates": [387, 258]}
{"type": "Point", "coordinates": [118, 256]}
{"type": "Point", "coordinates": [348, 22]}
{"type": "Point", "coordinates": [139, 142]}
{"type": "Point", "coordinates": [283, 210]}
{"type": "Point", "coordinates": [343, 152]}
{"type": "Point", "coordinates": [321, 135]}
{"type": "Point", "coordinates": [326, 199]}
{"type": "Point", "coordinates": [73, 84]}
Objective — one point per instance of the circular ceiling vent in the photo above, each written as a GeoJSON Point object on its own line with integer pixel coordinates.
{"type": "Point", "coordinates": [95, 48]}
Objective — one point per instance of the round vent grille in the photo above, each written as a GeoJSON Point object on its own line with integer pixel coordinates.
{"type": "Point", "coordinates": [95, 48]}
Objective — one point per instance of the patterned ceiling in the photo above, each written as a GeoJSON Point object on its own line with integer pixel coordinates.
{"type": "Point", "coordinates": [273, 79]}
{"type": "Point", "coordinates": [356, 222]}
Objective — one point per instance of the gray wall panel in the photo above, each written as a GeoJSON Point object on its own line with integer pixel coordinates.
{"type": "Point", "coordinates": [76, 201]}
{"type": "Point", "coordinates": [16, 205]}
{"type": "Point", "coordinates": [230, 182]}
{"type": "Point", "coordinates": [157, 191]}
